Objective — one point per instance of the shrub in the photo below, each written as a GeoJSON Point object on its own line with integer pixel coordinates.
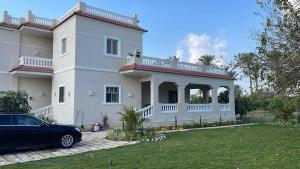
{"type": "Point", "coordinates": [14, 101]}
{"type": "Point", "coordinates": [281, 107]}
{"type": "Point", "coordinates": [138, 135]}
{"type": "Point", "coordinates": [243, 105]}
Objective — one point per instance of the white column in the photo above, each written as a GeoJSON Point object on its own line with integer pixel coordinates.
{"type": "Point", "coordinates": [214, 95]}
{"type": "Point", "coordinates": [205, 95]}
{"type": "Point", "coordinates": [181, 99]}
{"type": "Point", "coordinates": [154, 97]}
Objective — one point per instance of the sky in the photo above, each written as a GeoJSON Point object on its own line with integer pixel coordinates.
{"type": "Point", "coordinates": [186, 28]}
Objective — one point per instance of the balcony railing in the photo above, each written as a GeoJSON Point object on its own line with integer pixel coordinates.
{"type": "Point", "coordinates": [199, 107]}
{"type": "Point", "coordinates": [29, 18]}
{"type": "Point", "coordinates": [146, 111]}
{"type": "Point", "coordinates": [35, 62]}
{"type": "Point", "coordinates": [224, 107]}
{"type": "Point", "coordinates": [171, 63]}
{"type": "Point", "coordinates": [169, 108]}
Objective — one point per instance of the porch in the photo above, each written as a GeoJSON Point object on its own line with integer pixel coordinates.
{"type": "Point", "coordinates": [168, 101]}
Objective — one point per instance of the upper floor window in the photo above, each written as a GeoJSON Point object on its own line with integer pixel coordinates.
{"type": "Point", "coordinates": [63, 46]}
{"type": "Point", "coordinates": [61, 94]}
{"type": "Point", "coordinates": [112, 94]}
{"type": "Point", "coordinates": [112, 46]}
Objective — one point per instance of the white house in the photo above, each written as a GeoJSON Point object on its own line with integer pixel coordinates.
{"type": "Point", "coordinates": [84, 66]}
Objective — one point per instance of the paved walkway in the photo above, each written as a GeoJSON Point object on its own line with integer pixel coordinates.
{"type": "Point", "coordinates": [90, 142]}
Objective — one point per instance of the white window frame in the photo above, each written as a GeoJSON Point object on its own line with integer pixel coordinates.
{"type": "Point", "coordinates": [118, 49]}
{"type": "Point", "coordinates": [104, 93]}
{"type": "Point", "coordinates": [58, 87]}
{"type": "Point", "coordinates": [60, 45]}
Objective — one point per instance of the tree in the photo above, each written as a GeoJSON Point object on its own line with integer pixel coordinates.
{"type": "Point", "coordinates": [237, 91]}
{"type": "Point", "coordinates": [251, 67]}
{"type": "Point", "coordinates": [209, 60]}
{"type": "Point", "coordinates": [224, 97]}
{"type": "Point", "coordinates": [279, 45]}
{"type": "Point", "coordinates": [11, 101]}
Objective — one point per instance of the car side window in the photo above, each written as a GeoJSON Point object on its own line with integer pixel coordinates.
{"type": "Point", "coordinates": [21, 120]}
{"type": "Point", "coordinates": [5, 120]}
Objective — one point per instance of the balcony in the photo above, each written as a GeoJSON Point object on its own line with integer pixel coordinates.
{"type": "Point", "coordinates": [33, 67]}
{"type": "Point", "coordinates": [144, 63]}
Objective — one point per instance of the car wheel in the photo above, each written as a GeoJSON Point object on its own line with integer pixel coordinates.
{"type": "Point", "coordinates": [67, 141]}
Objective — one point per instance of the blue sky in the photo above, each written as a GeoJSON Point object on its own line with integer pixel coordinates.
{"type": "Point", "coordinates": [188, 27]}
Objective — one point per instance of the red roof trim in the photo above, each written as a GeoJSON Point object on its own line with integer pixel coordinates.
{"type": "Point", "coordinates": [34, 25]}
{"type": "Point", "coordinates": [8, 25]}
{"type": "Point", "coordinates": [174, 71]}
{"type": "Point", "coordinates": [32, 69]}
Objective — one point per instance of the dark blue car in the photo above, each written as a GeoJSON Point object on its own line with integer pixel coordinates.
{"type": "Point", "coordinates": [21, 131]}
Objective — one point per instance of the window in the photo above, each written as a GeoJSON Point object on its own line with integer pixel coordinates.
{"type": "Point", "coordinates": [112, 46]}
{"type": "Point", "coordinates": [26, 121]}
{"type": "Point", "coordinates": [61, 94]}
{"type": "Point", "coordinates": [63, 46]}
{"type": "Point", "coordinates": [112, 94]}
{"type": "Point", "coordinates": [5, 120]}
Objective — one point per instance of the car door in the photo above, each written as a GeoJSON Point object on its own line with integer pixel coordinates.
{"type": "Point", "coordinates": [7, 133]}
{"type": "Point", "coordinates": [30, 130]}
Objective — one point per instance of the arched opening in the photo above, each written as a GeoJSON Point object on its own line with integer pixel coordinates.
{"type": "Point", "coordinates": [198, 94]}
{"type": "Point", "coordinates": [168, 92]}
{"type": "Point", "coordinates": [223, 95]}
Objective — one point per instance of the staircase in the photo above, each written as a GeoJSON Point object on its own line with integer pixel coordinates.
{"type": "Point", "coordinates": [43, 112]}
{"type": "Point", "coordinates": [146, 111]}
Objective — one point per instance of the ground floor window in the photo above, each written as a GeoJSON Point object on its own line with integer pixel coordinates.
{"type": "Point", "coordinates": [112, 94]}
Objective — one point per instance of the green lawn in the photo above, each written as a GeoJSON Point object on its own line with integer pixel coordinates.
{"type": "Point", "coordinates": [252, 147]}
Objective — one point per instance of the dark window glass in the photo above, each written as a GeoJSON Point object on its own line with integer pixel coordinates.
{"type": "Point", "coordinates": [61, 98]}
{"type": "Point", "coordinates": [63, 46]}
{"type": "Point", "coordinates": [112, 95]}
{"type": "Point", "coordinates": [112, 46]}
{"type": "Point", "coordinates": [5, 120]}
{"type": "Point", "coordinates": [25, 121]}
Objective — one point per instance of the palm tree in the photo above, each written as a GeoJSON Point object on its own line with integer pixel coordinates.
{"type": "Point", "coordinates": [131, 119]}
{"type": "Point", "coordinates": [209, 60]}
{"type": "Point", "coordinates": [232, 73]}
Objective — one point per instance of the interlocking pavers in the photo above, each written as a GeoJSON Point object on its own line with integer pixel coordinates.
{"type": "Point", "coordinates": [90, 142]}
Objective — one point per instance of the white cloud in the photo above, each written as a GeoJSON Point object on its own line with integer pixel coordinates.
{"type": "Point", "coordinates": [193, 46]}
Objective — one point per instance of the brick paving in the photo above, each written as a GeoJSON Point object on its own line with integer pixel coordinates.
{"type": "Point", "coordinates": [90, 142]}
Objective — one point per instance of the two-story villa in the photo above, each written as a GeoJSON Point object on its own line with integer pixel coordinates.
{"type": "Point", "coordinates": [84, 66]}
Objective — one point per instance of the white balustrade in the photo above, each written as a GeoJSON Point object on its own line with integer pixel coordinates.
{"type": "Point", "coordinates": [224, 107]}
{"type": "Point", "coordinates": [43, 21]}
{"type": "Point", "coordinates": [199, 107]}
{"type": "Point", "coordinates": [169, 108]}
{"type": "Point", "coordinates": [146, 111]}
{"type": "Point", "coordinates": [170, 63]}
{"type": "Point", "coordinates": [36, 62]}
{"type": "Point", "coordinates": [108, 14]}
{"type": "Point", "coordinates": [43, 112]}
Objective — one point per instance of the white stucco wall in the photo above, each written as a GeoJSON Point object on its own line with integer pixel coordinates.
{"type": "Point", "coordinates": [39, 89]}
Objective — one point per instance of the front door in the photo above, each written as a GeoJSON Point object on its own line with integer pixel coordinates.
{"type": "Point", "coordinates": [173, 96]}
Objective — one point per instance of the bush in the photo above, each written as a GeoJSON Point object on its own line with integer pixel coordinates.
{"type": "Point", "coordinates": [138, 135]}
{"type": "Point", "coordinates": [243, 105]}
{"type": "Point", "coordinates": [281, 107]}
{"type": "Point", "coordinates": [14, 101]}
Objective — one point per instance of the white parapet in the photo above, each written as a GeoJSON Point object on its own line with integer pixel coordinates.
{"type": "Point", "coordinates": [171, 63]}
{"type": "Point", "coordinates": [35, 62]}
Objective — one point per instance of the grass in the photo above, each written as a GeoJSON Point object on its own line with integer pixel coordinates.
{"type": "Point", "coordinates": [257, 146]}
